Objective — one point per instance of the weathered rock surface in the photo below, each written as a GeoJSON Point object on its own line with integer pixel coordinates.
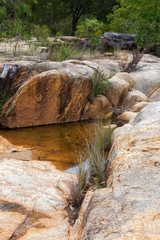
{"type": "Point", "coordinates": [132, 98]}
{"type": "Point", "coordinates": [52, 93]}
{"type": "Point", "coordinates": [117, 89]}
{"type": "Point", "coordinates": [58, 105]}
{"type": "Point", "coordinates": [118, 41]}
{"type": "Point", "coordinates": [97, 109]}
{"type": "Point", "coordinates": [50, 97]}
{"type": "Point", "coordinates": [129, 207]}
{"type": "Point", "coordinates": [14, 46]}
{"type": "Point", "coordinates": [33, 197]}
{"type": "Point", "coordinates": [147, 77]}
{"type": "Point", "coordinates": [12, 75]}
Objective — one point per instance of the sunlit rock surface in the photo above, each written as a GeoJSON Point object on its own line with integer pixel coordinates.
{"type": "Point", "coordinates": [33, 197]}
{"type": "Point", "coordinates": [129, 207]}
{"type": "Point", "coordinates": [147, 77]}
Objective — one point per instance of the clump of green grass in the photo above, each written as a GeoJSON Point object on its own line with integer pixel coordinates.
{"type": "Point", "coordinates": [77, 189]}
{"type": "Point", "coordinates": [61, 52]}
{"type": "Point", "coordinates": [99, 82]}
{"type": "Point", "coordinates": [97, 158]}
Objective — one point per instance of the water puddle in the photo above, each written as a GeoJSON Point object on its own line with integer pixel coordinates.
{"type": "Point", "coordinates": [60, 144]}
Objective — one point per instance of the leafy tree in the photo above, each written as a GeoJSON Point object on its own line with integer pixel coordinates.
{"type": "Point", "coordinates": [141, 17]}
{"type": "Point", "coordinates": [102, 8]}
{"type": "Point", "coordinates": [55, 14]}
{"type": "Point", "coordinates": [2, 10]}
{"type": "Point", "coordinates": [77, 8]}
{"type": "Point", "coordinates": [15, 17]}
{"type": "Point", "coordinates": [87, 8]}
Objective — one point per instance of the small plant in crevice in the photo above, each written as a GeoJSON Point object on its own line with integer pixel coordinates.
{"type": "Point", "coordinates": [4, 97]}
{"type": "Point", "coordinates": [97, 157]}
{"type": "Point", "coordinates": [99, 82]}
{"type": "Point", "coordinates": [77, 192]}
{"type": "Point", "coordinates": [78, 188]}
{"type": "Point", "coordinates": [92, 174]}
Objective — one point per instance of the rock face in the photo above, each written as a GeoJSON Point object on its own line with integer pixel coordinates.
{"type": "Point", "coordinates": [138, 106]}
{"type": "Point", "coordinates": [117, 89]}
{"type": "Point", "coordinates": [11, 74]}
{"type": "Point", "coordinates": [118, 41]}
{"type": "Point", "coordinates": [50, 97]}
{"type": "Point", "coordinates": [132, 98]}
{"type": "Point", "coordinates": [91, 110]}
{"type": "Point", "coordinates": [32, 200]}
{"type": "Point", "coordinates": [51, 93]}
{"type": "Point", "coordinates": [129, 207]}
{"type": "Point", "coordinates": [58, 92]}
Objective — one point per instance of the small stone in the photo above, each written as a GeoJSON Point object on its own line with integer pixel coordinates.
{"type": "Point", "coordinates": [127, 116]}
{"type": "Point", "coordinates": [138, 106]}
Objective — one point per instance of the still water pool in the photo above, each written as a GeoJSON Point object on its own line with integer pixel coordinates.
{"type": "Point", "coordinates": [61, 144]}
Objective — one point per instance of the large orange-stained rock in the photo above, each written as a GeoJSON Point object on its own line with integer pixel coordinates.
{"type": "Point", "coordinates": [47, 98]}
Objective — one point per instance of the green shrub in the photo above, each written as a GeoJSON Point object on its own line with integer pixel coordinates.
{"type": "Point", "coordinates": [132, 16]}
{"type": "Point", "coordinates": [90, 28]}
{"type": "Point", "coordinates": [14, 28]}
{"type": "Point", "coordinates": [41, 33]}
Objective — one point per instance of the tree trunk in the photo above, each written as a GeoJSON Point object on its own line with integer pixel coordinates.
{"type": "Point", "coordinates": [74, 25]}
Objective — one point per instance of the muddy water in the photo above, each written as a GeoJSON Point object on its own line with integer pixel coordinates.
{"type": "Point", "coordinates": [60, 144]}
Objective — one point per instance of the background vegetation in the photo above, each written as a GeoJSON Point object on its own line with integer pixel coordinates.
{"type": "Point", "coordinates": [88, 18]}
{"type": "Point", "coordinates": [141, 17]}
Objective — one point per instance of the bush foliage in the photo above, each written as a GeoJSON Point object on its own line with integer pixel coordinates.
{"type": "Point", "coordinates": [90, 28]}
{"type": "Point", "coordinates": [139, 17]}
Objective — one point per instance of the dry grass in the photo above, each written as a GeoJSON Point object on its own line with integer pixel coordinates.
{"type": "Point", "coordinates": [129, 66]}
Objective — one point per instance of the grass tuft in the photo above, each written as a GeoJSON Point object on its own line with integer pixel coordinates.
{"type": "Point", "coordinates": [97, 156]}
{"type": "Point", "coordinates": [4, 97]}
{"type": "Point", "coordinates": [99, 82]}
{"type": "Point", "coordinates": [78, 188]}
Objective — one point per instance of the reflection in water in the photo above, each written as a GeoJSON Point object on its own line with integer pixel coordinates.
{"type": "Point", "coordinates": [60, 144]}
